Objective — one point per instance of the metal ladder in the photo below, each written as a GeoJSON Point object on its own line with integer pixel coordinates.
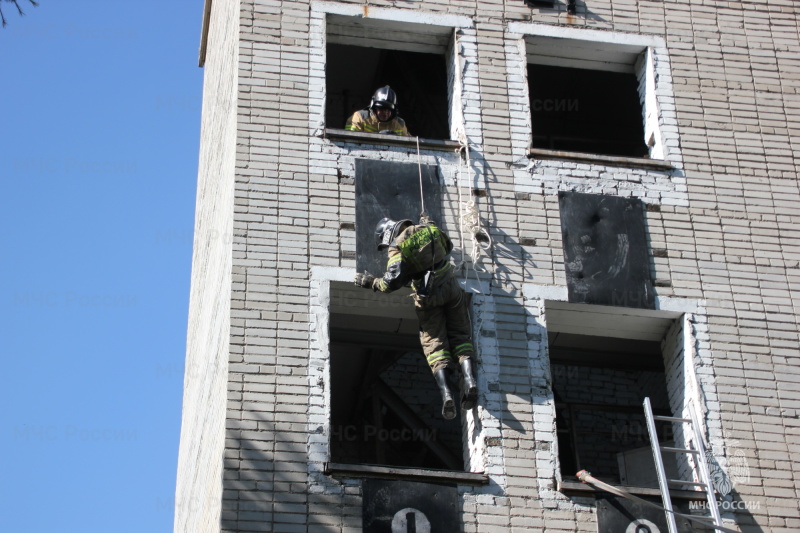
{"type": "Point", "coordinates": [699, 453]}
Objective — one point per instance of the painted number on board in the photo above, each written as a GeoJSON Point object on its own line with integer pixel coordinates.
{"type": "Point", "coordinates": [641, 526]}
{"type": "Point", "coordinates": [410, 520]}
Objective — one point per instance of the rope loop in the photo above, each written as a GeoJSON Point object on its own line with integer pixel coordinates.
{"type": "Point", "coordinates": [469, 216]}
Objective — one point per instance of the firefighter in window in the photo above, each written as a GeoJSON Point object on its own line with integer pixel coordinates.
{"type": "Point", "coordinates": [418, 254]}
{"type": "Point", "coordinates": [380, 116]}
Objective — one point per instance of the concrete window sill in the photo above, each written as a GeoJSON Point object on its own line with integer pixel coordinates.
{"type": "Point", "coordinates": [411, 474]}
{"type": "Point", "coordinates": [629, 162]}
{"type": "Point", "coordinates": [334, 134]}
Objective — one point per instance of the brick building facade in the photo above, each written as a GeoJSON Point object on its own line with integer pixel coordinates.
{"type": "Point", "coordinates": [620, 183]}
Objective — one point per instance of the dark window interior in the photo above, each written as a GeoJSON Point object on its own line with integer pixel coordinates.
{"type": "Point", "coordinates": [582, 110]}
{"type": "Point", "coordinates": [353, 73]}
{"type": "Point", "coordinates": [385, 406]}
{"type": "Point", "coordinates": [599, 385]}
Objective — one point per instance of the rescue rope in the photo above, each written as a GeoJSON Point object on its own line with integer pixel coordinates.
{"type": "Point", "coordinates": [421, 195]}
{"type": "Point", "coordinates": [586, 477]}
{"type": "Point", "coordinates": [458, 97]}
{"type": "Point", "coordinates": [470, 217]}
{"type": "Point", "coordinates": [460, 226]}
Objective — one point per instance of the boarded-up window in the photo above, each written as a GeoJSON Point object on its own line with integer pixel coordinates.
{"type": "Point", "coordinates": [606, 256]}
{"type": "Point", "coordinates": [391, 189]}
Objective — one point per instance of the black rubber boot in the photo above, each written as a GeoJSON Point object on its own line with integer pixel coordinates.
{"type": "Point", "coordinates": [469, 387]}
{"type": "Point", "coordinates": [448, 404]}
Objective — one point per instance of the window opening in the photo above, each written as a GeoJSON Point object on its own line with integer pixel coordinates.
{"type": "Point", "coordinates": [599, 384]}
{"type": "Point", "coordinates": [385, 407]}
{"type": "Point", "coordinates": [585, 110]}
{"type": "Point", "coordinates": [353, 73]}
{"type": "Point", "coordinates": [592, 92]}
{"type": "Point", "coordinates": [363, 55]}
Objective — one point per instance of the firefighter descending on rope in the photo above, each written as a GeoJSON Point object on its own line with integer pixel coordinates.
{"type": "Point", "coordinates": [418, 254]}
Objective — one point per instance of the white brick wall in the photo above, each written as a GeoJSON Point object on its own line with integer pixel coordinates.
{"type": "Point", "coordinates": [724, 224]}
{"type": "Point", "coordinates": [198, 499]}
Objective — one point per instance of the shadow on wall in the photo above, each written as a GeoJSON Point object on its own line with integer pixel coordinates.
{"type": "Point", "coordinates": [728, 465]}
{"type": "Point", "coordinates": [514, 376]}
{"type": "Point", "coordinates": [522, 358]}
{"type": "Point", "coordinates": [265, 476]}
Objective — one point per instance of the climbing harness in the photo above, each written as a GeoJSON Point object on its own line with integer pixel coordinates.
{"type": "Point", "coordinates": [426, 287]}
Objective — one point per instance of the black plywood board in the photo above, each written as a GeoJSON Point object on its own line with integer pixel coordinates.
{"type": "Point", "coordinates": [392, 506]}
{"type": "Point", "coordinates": [390, 189]}
{"type": "Point", "coordinates": [605, 250]}
{"type": "Point", "coordinates": [620, 515]}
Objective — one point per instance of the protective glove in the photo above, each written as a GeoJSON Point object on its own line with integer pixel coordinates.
{"type": "Point", "coordinates": [364, 280]}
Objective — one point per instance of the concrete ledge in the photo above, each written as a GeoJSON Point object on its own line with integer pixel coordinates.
{"type": "Point", "coordinates": [584, 34]}
{"type": "Point", "coordinates": [545, 292]}
{"type": "Point", "coordinates": [334, 134]}
{"type": "Point", "coordinates": [411, 474]}
{"type": "Point", "coordinates": [631, 162]}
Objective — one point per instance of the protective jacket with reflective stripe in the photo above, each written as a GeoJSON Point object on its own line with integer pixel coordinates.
{"type": "Point", "coordinates": [416, 250]}
{"type": "Point", "coordinates": [366, 121]}
{"type": "Point", "coordinates": [444, 321]}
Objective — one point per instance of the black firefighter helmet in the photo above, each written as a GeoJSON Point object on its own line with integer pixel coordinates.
{"type": "Point", "coordinates": [385, 98]}
{"type": "Point", "coordinates": [387, 230]}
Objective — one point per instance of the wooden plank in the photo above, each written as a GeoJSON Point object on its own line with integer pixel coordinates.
{"type": "Point", "coordinates": [392, 35]}
{"type": "Point", "coordinates": [347, 299]}
{"type": "Point", "coordinates": [415, 423]}
{"type": "Point", "coordinates": [611, 310]}
{"type": "Point", "coordinates": [575, 53]}
{"type": "Point", "coordinates": [597, 320]}
{"type": "Point", "coordinates": [578, 487]}
{"type": "Point", "coordinates": [579, 329]}
{"type": "Point", "coordinates": [335, 22]}
{"type": "Point", "coordinates": [633, 162]}
{"type": "Point", "coordinates": [568, 62]}
{"type": "Point", "coordinates": [627, 55]}
{"type": "Point", "coordinates": [557, 53]}
{"type": "Point", "coordinates": [336, 134]}
{"type": "Point", "coordinates": [360, 471]}
{"type": "Point", "coordinates": [406, 44]}
{"type": "Point", "coordinates": [580, 49]}
{"type": "Point", "coordinates": [608, 321]}
{"type": "Point", "coordinates": [652, 331]}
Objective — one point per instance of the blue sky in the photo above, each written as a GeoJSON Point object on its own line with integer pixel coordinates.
{"type": "Point", "coordinates": [99, 133]}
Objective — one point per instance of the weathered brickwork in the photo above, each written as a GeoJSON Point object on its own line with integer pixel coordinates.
{"type": "Point", "coordinates": [212, 320]}
{"type": "Point", "coordinates": [275, 229]}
